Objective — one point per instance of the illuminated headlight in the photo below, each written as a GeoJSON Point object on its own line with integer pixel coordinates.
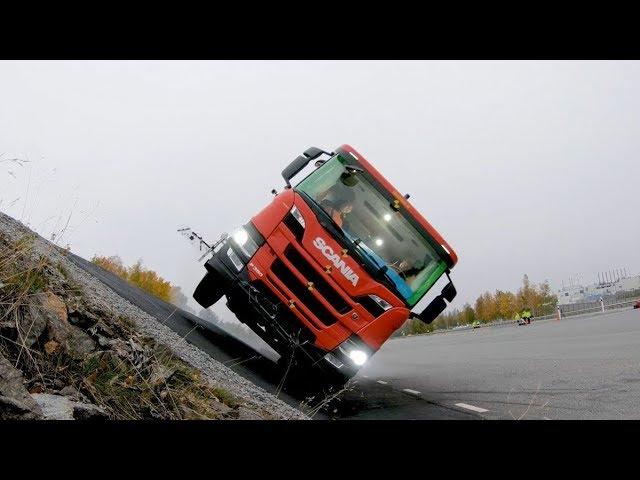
{"type": "Point", "coordinates": [353, 352]}
{"type": "Point", "coordinates": [383, 304]}
{"type": "Point", "coordinates": [358, 357]}
{"type": "Point", "coordinates": [298, 216]}
{"type": "Point", "coordinates": [240, 236]}
{"type": "Point", "coordinates": [244, 241]}
{"type": "Point", "coordinates": [235, 259]}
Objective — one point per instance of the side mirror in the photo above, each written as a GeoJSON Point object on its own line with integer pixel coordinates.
{"type": "Point", "coordinates": [300, 162]}
{"type": "Point", "coordinates": [312, 153]}
{"type": "Point", "coordinates": [449, 292]}
{"type": "Point", "coordinates": [431, 311]}
{"type": "Point", "coordinates": [294, 168]}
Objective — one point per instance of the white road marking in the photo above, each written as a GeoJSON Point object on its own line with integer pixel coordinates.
{"type": "Point", "coordinates": [411, 392]}
{"type": "Point", "coordinates": [471, 407]}
{"type": "Point", "coordinates": [382, 382]}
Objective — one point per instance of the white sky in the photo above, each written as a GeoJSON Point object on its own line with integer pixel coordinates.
{"type": "Point", "coordinates": [524, 167]}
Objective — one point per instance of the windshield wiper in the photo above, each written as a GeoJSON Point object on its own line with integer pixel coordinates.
{"type": "Point", "coordinates": [382, 270]}
{"type": "Point", "coordinates": [369, 262]}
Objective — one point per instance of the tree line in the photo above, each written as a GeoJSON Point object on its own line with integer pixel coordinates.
{"type": "Point", "coordinates": [501, 305]}
{"type": "Point", "coordinates": [140, 276]}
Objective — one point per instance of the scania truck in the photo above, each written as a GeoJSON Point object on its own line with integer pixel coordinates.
{"type": "Point", "coordinates": [328, 270]}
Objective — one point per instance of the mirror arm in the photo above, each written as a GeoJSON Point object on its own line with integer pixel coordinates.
{"type": "Point", "coordinates": [314, 152]}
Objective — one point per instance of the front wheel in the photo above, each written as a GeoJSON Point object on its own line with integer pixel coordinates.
{"type": "Point", "coordinates": [209, 290]}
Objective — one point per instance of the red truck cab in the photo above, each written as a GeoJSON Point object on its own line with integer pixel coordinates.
{"type": "Point", "coordinates": [332, 266]}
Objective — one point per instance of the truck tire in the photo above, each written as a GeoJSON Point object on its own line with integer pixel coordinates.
{"type": "Point", "coordinates": [208, 291]}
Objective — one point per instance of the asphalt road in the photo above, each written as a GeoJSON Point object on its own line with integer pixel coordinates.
{"type": "Point", "coordinates": [576, 368]}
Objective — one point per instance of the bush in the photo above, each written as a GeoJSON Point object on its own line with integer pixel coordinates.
{"type": "Point", "coordinates": [139, 276]}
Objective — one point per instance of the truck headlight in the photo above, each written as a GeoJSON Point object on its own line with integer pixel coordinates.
{"type": "Point", "coordinates": [244, 241]}
{"type": "Point", "coordinates": [352, 350]}
{"type": "Point", "coordinates": [235, 259]}
{"type": "Point", "coordinates": [383, 304]}
{"type": "Point", "coordinates": [358, 357]}
{"type": "Point", "coordinates": [297, 215]}
{"type": "Point", "coordinates": [241, 236]}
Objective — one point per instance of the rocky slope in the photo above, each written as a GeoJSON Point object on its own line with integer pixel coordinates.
{"type": "Point", "coordinates": [71, 348]}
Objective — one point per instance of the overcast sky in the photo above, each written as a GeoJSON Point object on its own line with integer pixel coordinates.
{"type": "Point", "coordinates": [524, 167]}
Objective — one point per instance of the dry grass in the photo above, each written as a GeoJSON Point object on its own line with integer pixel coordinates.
{"type": "Point", "coordinates": [134, 391]}
{"type": "Point", "coordinates": [130, 375]}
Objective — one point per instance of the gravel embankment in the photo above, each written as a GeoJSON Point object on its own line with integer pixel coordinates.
{"type": "Point", "coordinates": [264, 404]}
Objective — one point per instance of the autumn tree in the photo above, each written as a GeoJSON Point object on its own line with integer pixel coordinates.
{"type": "Point", "coordinates": [137, 275]}
{"type": "Point", "coordinates": [113, 264]}
{"type": "Point", "coordinates": [468, 314]}
{"type": "Point", "coordinates": [487, 307]}
{"type": "Point", "coordinates": [505, 304]}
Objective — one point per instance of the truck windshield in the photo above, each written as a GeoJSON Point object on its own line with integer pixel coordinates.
{"type": "Point", "coordinates": [365, 215]}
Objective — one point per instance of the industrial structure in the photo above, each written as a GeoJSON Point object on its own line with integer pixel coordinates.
{"type": "Point", "coordinates": [612, 283]}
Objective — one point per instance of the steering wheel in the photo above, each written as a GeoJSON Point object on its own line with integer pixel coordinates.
{"type": "Point", "coordinates": [398, 266]}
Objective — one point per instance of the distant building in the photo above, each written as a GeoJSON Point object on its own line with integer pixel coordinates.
{"type": "Point", "coordinates": [608, 284]}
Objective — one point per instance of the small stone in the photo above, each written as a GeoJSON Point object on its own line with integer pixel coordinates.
{"type": "Point", "coordinates": [37, 388]}
{"type": "Point", "coordinates": [105, 329]}
{"type": "Point", "coordinates": [51, 347]}
{"type": "Point", "coordinates": [82, 317]}
{"type": "Point", "coordinates": [190, 414]}
{"type": "Point", "coordinates": [18, 403]}
{"type": "Point", "coordinates": [224, 410]}
{"type": "Point", "coordinates": [88, 411]}
{"type": "Point", "coordinates": [79, 343]}
{"type": "Point", "coordinates": [245, 413]}
{"type": "Point", "coordinates": [33, 322]}
{"type": "Point", "coordinates": [160, 374]}
{"type": "Point", "coordinates": [69, 391]}
{"type": "Point", "coordinates": [54, 407]}
{"type": "Point", "coordinates": [12, 409]}
{"type": "Point", "coordinates": [120, 347]}
{"type": "Point", "coordinates": [58, 383]}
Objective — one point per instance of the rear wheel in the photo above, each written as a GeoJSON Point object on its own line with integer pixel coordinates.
{"type": "Point", "coordinates": [209, 290]}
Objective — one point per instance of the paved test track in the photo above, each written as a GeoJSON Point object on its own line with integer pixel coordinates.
{"type": "Point", "coordinates": [581, 367]}
{"type": "Point", "coordinates": [584, 367]}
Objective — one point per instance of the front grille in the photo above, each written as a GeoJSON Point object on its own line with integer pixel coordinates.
{"type": "Point", "coordinates": [320, 284]}
{"type": "Point", "coordinates": [305, 296]}
{"type": "Point", "coordinates": [284, 316]}
{"type": "Point", "coordinates": [265, 297]}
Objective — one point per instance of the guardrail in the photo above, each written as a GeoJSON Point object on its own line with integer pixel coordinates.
{"type": "Point", "coordinates": [504, 323]}
{"type": "Point", "coordinates": [597, 309]}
